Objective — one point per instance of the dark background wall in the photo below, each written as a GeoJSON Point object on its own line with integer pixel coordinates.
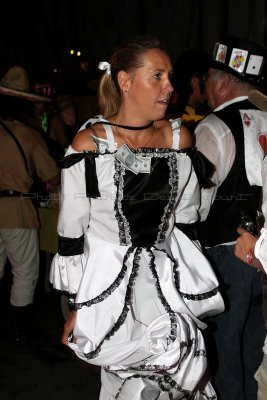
{"type": "Point", "coordinates": [39, 34]}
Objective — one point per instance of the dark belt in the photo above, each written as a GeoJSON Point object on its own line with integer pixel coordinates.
{"type": "Point", "coordinates": [12, 193]}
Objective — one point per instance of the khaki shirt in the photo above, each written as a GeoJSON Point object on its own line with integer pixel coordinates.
{"type": "Point", "coordinates": [19, 212]}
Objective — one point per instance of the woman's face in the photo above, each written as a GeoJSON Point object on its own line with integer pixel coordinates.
{"type": "Point", "coordinates": [150, 88]}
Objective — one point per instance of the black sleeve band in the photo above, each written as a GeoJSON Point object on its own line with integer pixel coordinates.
{"type": "Point", "coordinates": [190, 230]}
{"type": "Point", "coordinates": [70, 247]}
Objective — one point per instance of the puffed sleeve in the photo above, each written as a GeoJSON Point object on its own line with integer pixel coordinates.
{"type": "Point", "coordinates": [187, 210]}
{"type": "Point", "coordinates": [68, 264]}
{"type": "Point", "coordinates": [189, 203]}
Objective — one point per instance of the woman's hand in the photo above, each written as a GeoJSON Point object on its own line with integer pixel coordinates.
{"type": "Point", "coordinates": [68, 328]}
{"type": "Point", "coordinates": [244, 248]}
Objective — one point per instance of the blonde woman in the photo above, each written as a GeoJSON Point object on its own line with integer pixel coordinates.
{"type": "Point", "coordinates": [138, 286]}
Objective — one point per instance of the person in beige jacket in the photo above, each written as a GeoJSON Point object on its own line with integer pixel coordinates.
{"type": "Point", "coordinates": [23, 155]}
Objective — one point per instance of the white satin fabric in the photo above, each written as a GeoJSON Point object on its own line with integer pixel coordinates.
{"type": "Point", "coordinates": [145, 331]}
{"type": "Point", "coordinates": [142, 341]}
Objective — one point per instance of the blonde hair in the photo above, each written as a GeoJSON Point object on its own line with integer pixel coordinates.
{"type": "Point", "coordinates": [127, 57]}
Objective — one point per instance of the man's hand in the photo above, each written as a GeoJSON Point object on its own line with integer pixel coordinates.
{"type": "Point", "coordinates": [244, 248]}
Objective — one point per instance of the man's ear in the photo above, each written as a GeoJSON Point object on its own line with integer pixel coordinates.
{"type": "Point", "coordinates": [124, 81]}
{"type": "Point", "coordinates": [223, 82]}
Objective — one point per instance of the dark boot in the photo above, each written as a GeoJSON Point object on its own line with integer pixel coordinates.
{"type": "Point", "coordinates": [20, 322]}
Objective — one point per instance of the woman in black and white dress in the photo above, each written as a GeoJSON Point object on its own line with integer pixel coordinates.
{"type": "Point", "coordinates": [138, 283]}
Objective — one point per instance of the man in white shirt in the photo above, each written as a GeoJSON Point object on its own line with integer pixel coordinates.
{"type": "Point", "coordinates": [253, 250]}
{"type": "Point", "coordinates": [231, 138]}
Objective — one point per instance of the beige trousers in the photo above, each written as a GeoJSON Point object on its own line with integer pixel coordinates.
{"type": "Point", "coordinates": [21, 247]}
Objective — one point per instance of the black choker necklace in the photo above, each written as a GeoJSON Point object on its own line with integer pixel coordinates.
{"type": "Point", "coordinates": [132, 128]}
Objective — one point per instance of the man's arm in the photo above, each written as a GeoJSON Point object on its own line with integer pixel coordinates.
{"type": "Point", "coordinates": [217, 144]}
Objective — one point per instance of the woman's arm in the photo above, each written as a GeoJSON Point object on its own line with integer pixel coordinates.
{"type": "Point", "coordinates": [68, 328]}
{"type": "Point", "coordinates": [67, 265]}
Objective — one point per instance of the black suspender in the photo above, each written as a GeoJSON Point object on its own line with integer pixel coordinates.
{"type": "Point", "coordinates": [17, 143]}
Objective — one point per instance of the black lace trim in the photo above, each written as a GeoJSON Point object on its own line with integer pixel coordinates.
{"type": "Point", "coordinates": [167, 379]}
{"type": "Point", "coordinates": [136, 376]}
{"type": "Point", "coordinates": [160, 152]}
{"type": "Point", "coordinates": [188, 296]}
{"type": "Point", "coordinates": [161, 381]}
{"type": "Point", "coordinates": [127, 302]}
{"type": "Point", "coordinates": [136, 264]}
{"type": "Point", "coordinates": [162, 377]}
{"type": "Point", "coordinates": [124, 230]}
{"type": "Point", "coordinates": [201, 353]}
{"type": "Point", "coordinates": [74, 158]}
{"type": "Point", "coordinates": [111, 288]}
{"type": "Point", "coordinates": [175, 269]}
{"type": "Point", "coordinates": [173, 331]}
{"type": "Point", "coordinates": [176, 276]}
{"type": "Point", "coordinates": [160, 369]}
{"type": "Point", "coordinates": [202, 296]}
{"type": "Point", "coordinates": [174, 180]}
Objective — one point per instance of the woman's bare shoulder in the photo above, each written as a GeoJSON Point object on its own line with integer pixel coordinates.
{"type": "Point", "coordinates": [185, 138]}
{"type": "Point", "coordinates": [83, 141]}
{"type": "Point", "coordinates": [163, 124]}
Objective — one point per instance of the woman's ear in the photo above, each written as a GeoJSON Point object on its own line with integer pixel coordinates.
{"type": "Point", "coordinates": [124, 81]}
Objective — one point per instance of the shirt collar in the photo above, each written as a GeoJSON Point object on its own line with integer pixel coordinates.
{"type": "Point", "coordinates": [227, 103]}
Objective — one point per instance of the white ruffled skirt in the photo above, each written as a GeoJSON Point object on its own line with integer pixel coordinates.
{"type": "Point", "coordinates": [138, 316]}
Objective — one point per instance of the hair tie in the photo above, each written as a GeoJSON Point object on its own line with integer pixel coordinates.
{"type": "Point", "coordinates": [105, 66]}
